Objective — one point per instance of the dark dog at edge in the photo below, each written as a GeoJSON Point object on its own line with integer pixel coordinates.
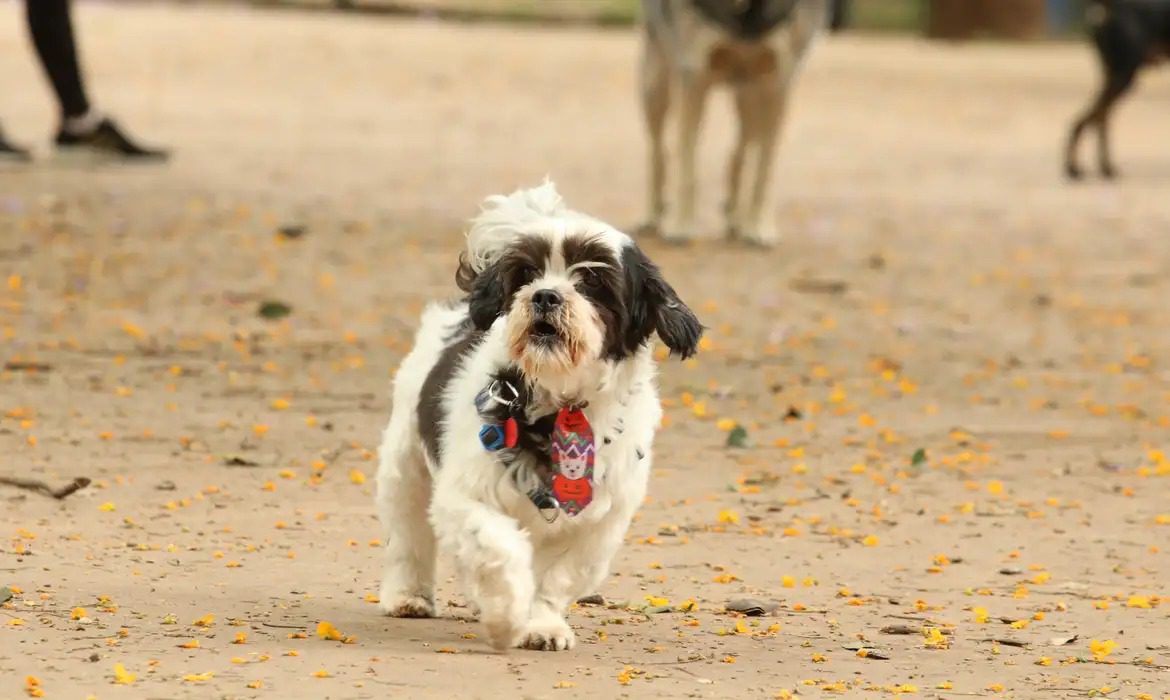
{"type": "Point", "coordinates": [1129, 35]}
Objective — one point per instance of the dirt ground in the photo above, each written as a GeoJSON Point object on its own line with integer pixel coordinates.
{"type": "Point", "coordinates": [940, 288]}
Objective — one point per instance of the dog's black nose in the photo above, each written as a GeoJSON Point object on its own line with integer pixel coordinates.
{"type": "Point", "coordinates": [546, 300]}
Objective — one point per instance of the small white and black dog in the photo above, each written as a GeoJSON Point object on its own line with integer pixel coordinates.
{"type": "Point", "coordinates": [755, 46]}
{"type": "Point", "coordinates": [521, 431]}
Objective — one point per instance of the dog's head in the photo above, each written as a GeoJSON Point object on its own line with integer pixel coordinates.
{"type": "Point", "coordinates": [570, 290]}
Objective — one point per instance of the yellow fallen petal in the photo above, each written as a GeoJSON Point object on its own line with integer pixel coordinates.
{"type": "Point", "coordinates": [122, 677]}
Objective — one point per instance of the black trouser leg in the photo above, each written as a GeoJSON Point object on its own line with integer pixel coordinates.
{"type": "Point", "coordinates": [51, 27]}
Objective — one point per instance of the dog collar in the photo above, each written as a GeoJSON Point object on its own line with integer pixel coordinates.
{"type": "Point", "coordinates": [566, 484]}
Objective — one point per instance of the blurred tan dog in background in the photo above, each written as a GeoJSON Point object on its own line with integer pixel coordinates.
{"type": "Point", "coordinates": [755, 46]}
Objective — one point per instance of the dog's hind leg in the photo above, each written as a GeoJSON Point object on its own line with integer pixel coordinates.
{"type": "Point", "coordinates": [655, 104]}
{"type": "Point", "coordinates": [404, 491]}
{"type": "Point", "coordinates": [1120, 45]}
{"type": "Point", "coordinates": [1117, 83]}
{"type": "Point", "coordinates": [494, 558]}
{"type": "Point", "coordinates": [1117, 86]}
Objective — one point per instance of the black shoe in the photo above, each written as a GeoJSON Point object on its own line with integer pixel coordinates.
{"type": "Point", "coordinates": [12, 152]}
{"type": "Point", "coordinates": [108, 139]}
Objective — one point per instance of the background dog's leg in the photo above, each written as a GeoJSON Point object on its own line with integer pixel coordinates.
{"type": "Point", "coordinates": [404, 491]}
{"type": "Point", "coordinates": [733, 207]}
{"type": "Point", "coordinates": [758, 221]}
{"type": "Point", "coordinates": [495, 559]}
{"type": "Point", "coordinates": [690, 93]}
{"type": "Point", "coordinates": [655, 104]}
{"type": "Point", "coordinates": [1119, 83]}
{"type": "Point", "coordinates": [564, 573]}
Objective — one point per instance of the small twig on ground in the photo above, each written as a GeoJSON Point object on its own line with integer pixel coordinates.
{"type": "Point", "coordinates": [27, 367]}
{"type": "Point", "coordinates": [1006, 642]}
{"type": "Point", "coordinates": [284, 627]}
{"type": "Point", "coordinates": [44, 489]}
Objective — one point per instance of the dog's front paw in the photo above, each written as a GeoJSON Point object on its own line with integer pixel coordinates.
{"type": "Point", "coordinates": [402, 605]}
{"type": "Point", "coordinates": [548, 635]}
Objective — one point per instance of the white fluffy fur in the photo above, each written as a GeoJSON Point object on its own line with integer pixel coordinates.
{"type": "Point", "coordinates": [520, 571]}
{"type": "Point", "coordinates": [678, 70]}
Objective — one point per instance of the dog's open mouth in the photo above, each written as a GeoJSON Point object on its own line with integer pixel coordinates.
{"type": "Point", "coordinates": [544, 331]}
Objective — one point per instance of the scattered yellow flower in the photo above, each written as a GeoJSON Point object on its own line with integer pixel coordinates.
{"type": "Point", "coordinates": [1102, 649]}
{"type": "Point", "coordinates": [729, 516]}
{"type": "Point", "coordinates": [123, 677]}
{"type": "Point", "coordinates": [980, 615]}
{"type": "Point", "coordinates": [326, 630]}
{"type": "Point", "coordinates": [357, 476]}
{"type": "Point", "coordinates": [78, 613]}
{"type": "Point", "coordinates": [934, 638]}
{"type": "Point", "coordinates": [193, 644]}
{"type": "Point", "coordinates": [321, 674]}
{"type": "Point", "coordinates": [107, 507]}
{"type": "Point", "coordinates": [870, 541]}
{"type": "Point", "coordinates": [205, 621]}
{"type": "Point", "coordinates": [657, 601]}
{"type": "Point", "coordinates": [1138, 601]}
{"type": "Point", "coordinates": [198, 677]}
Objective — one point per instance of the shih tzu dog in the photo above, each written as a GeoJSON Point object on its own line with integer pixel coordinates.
{"type": "Point", "coordinates": [521, 431]}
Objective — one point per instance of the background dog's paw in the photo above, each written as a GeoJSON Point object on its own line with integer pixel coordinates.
{"type": "Point", "coordinates": [548, 635]}
{"type": "Point", "coordinates": [407, 606]}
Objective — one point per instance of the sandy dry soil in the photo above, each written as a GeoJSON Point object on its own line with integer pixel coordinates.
{"type": "Point", "coordinates": [940, 288]}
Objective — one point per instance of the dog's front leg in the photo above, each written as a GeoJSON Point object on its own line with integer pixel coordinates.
{"type": "Point", "coordinates": [494, 558]}
{"type": "Point", "coordinates": [566, 569]}
{"type": "Point", "coordinates": [691, 89]}
{"type": "Point", "coordinates": [757, 220]}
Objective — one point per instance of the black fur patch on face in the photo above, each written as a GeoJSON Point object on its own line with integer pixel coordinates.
{"type": "Point", "coordinates": [489, 291]}
{"type": "Point", "coordinates": [431, 414]}
{"type": "Point", "coordinates": [654, 306]}
{"type": "Point", "coordinates": [747, 20]}
{"type": "Point", "coordinates": [603, 285]}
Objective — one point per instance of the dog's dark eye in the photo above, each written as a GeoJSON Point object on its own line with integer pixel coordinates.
{"type": "Point", "coordinates": [528, 275]}
{"type": "Point", "coordinates": [590, 278]}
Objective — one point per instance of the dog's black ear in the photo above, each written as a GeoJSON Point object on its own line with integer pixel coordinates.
{"type": "Point", "coordinates": [485, 298]}
{"type": "Point", "coordinates": [654, 306]}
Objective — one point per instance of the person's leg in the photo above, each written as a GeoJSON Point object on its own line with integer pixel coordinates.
{"type": "Point", "coordinates": [51, 27]}
{"type": "Point", "coordinates": [83, 128]}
